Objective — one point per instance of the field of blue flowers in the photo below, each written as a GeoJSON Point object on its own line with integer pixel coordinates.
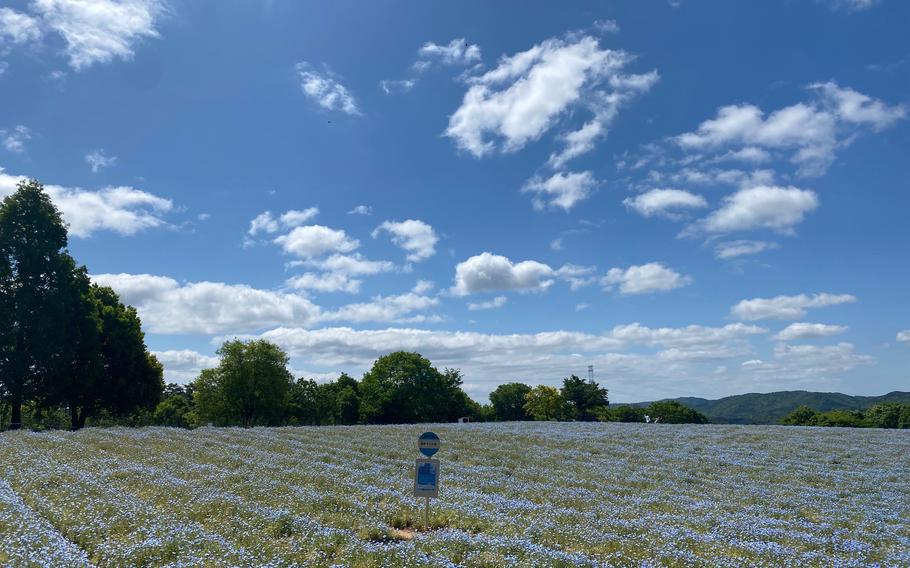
{"type": "Point", "coordinates": [543, 494]}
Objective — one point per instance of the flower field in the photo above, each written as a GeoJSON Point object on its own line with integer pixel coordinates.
{"type": "Point", "coordinates": [544, 494]}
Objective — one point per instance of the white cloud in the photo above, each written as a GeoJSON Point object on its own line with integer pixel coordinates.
{"type": "Point", "coordinates": [166, 306]}
{"type": "Point", "coordinates": [123, 210]}
{"type": "Point", "coordinates": [664, 202]}
{"type": "Point", "coordinates": [184, 365]}
{"type": "Point", "coordinates": [353, 264]}
{"type": "Point", "coordinates": [734, 249]}
{"type": "Point", "coordinates": [578, 142]}
{"type": "Point", "coordinates": [99, 31]}
{"type": "Point", "coordinates": [849, 5]}
{"type": "Point", "coordinates": [3, 67]}
{"type": "Point", "coordinates": [457, 52]}
{"type": "Point", "coordinates": [786, 307]}
{"type": "Point", "coordinates": [14, 140]}
{"type": "Point", "coordinates": [606, 26]}
{"type": "Point", "coordinates": [535, 88]}
{"type": "Point", "coordinates": [416, 237]}
{"type": "Point", "coordinates": [812, 130]}
{"type": "Point", "coordinates": [328, 282]}
{"type": "Point", "coordinates": [325, 90]}
{"type": "Point", "coordinates": [563, 190]}
{"type": "Point", "coordinates": [361, 210]}
{"type": "Point", "coordinates": [802, 330]}
{"type": "Point", "coordinates": [760, 207]}
{"type": "Point", "coordinates": [98, 161]}
{"type": "Point", "coordinates": [386, 309]}
{"type": "Point", "coordinates": [315, 240]}
{"type": "Point", "coordinates": [750, 154]}
{"type": "Point", "coordinates": [497, 302]}
{"type": "Point", "coordinates": [18, 28]}
{"type": "Point", "coordinates": [337, 273]}
{"type": "Point", "coordinates": [489, 272]}
{"type": "Point", "coordinates": [392, 86]}
{"type": "Point", "coordinates": [904, 336]}
{"type": "Point", "coordinates": [577, 276]}
{"type": "Point", "coordinates": [645, 279]}
{"type": "Point", "coordinates": [267, 223]}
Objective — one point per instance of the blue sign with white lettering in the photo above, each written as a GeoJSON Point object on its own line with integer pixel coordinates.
{"type": "Point", "coordinates": [428, 443]}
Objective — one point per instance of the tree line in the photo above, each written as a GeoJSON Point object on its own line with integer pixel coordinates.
{"type": "Point", "coordinates": [885, 415]}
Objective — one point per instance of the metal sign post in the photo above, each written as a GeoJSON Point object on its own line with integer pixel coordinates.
{"type": "Point", "coordinates": [426, 473]}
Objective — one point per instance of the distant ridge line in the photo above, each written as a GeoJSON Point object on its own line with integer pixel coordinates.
{"type": "Point", "coordinates": [770, 408]}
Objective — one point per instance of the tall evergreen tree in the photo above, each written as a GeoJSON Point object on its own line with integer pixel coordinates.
{"type": "Point", "coordinates": [33, 267]}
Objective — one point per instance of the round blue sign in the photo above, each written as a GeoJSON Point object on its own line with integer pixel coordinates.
{"type": "Point", "coordinates": [428, 443]}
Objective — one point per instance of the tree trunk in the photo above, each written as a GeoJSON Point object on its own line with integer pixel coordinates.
{"type": "Point", "coordinates": [82, 416]}
{"type": "Point", "coordinates": [74, 417]}
{"type": "Point", "coordinates": [15, 422]}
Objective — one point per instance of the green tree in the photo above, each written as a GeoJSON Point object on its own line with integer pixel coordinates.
{"type": "Point", "coordinates": [623, 413]}
{"type": "Point", "coordinates": [108, 368]}
{"type": "Point", "coordinates": [405, 387]}
{"type": "Point", "coordinates": [672, 412]}
{"type": "Point", "coordinates": [585, 398]}
{"type": "Point", "coordinates": [886, 415]}
{"type": "Point", "coordinates": [176, 407]}
{"type": "Point", "coordinates": [802, 416]}
{"type": "Point", "coordinates": [546, 403]}
{"type": "Point", "coordinates": [33, 269]}
{"type": "Point", "coordinates": [250, 386]}
{"type": "Point", "coordinates": [842, 418]}
{"type": "Point", "coordinates": [508, 401]}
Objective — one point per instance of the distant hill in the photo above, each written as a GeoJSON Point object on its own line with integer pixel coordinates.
{"type": "Point", "coordinates": [755, 408]}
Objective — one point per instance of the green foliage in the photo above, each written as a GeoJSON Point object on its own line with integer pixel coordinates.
{"type": "Point", "coordinates": [672, 412]}
{"type": "Point", "coordinates": [404, 387]}
{"type": "Point", "coordinates": [33, 297]}
{"type": "Point", "coordinates": [250, 386]}
{"type": "Point", "coordinates": [622, 413]}
{"type": "Point", "coordinates": [802, 416]}
{"type": "Point", "coordinates": [508, 401]}
{"type": "Point", "coordinates": [585, 398]}
{"type": "Point", "coordinates": [546, 403]}
{"type": "Point", "coordinates": [887, 415]}
{"type": "Point", "coordinates": [843, 418]}
{"type": "Point", "coordinates": [176, 407]}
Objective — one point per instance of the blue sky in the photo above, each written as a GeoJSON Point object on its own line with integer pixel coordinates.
{"type": "Point", "coordinates": [696, 198]}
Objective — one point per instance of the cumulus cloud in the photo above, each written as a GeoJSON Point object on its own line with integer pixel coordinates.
{"type": "Point", "coordinates": [760, 207]}
{"type": "Point", "coordinates": [735, 249]}
{"type": "Point", "coordinates": [184, 365]}
{"type": "Point", "coordinates": [664, 202]}
{"type": "Point", "coordinates": [849, 6]}
{"type": "Point", "coordinates": [123, 210]}
{"type": "Point", "coordinates": [416, 237]}
{"type": "Point", "coordinates": [497, 302]}
{"type": "Point", "coordinates": [522, 98]}
{"type": "Point", "coordinates": [315, 240]}
{"type": "Point", "coordinates": [99, 31]}
{"type": "Point", "coordinates": [361, 210]}
{"type": "Point", "coordinates": [97, 160]}
{"type": "Point", "coordinates": [167, 306]}
{"type": "Point", "coordinates": [904, 336]}
{"type": "Point", "coordinates": [786, 307]}
{"type": "Point", "coordinates": [266, 223]}
{"type": "Point", "coordinates": [563, 190]}
{"type": "Point", "coordinates": [807, 362]}
{"type": "Point", "coordinates": [802, 330]}
{"type": "Point", "coordinates": [812, 131]}
{"type": "Point", "coordinates": [397, 308]}
{"type": "Point", "coordinates": [18, 28]}
{"type": "Point", "coordinates": [324, 89]}
{"type": "Point", "coordinates": [456, 52]}
{"type": "Point", "coordinates": [489, 272]}
{"type": "Point", "coordinates": [338, 273]}
{"type": "Point", "coordinates": [606, 26]}
{"type": "Point", "coordinates": [14, 140]}
{"type": "Point", "coordinates": [644, 279]}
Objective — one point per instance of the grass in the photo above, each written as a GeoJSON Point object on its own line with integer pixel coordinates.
{"type": "Point", "coordinates": [542, 494]}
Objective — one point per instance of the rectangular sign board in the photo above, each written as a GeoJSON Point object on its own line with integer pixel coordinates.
{"type": "Point", "coordinates": [426, 478]}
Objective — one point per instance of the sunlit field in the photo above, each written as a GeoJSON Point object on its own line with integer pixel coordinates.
{"type": "Point", "coordinates": [547, 494]}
